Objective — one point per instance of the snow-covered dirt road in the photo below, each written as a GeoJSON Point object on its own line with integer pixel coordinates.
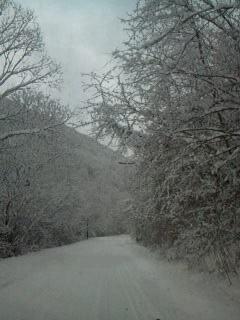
{"type": "Point", "coordinates": [108, 278]}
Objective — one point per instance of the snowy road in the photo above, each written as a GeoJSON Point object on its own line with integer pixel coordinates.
{"type": "Point", "coordinates": [104, 279]}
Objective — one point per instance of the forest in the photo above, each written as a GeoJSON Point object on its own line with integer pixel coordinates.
{"type": "Point", "coordinates": [170, 99]}
{"type": "Point", "coordinates": [57, 186]}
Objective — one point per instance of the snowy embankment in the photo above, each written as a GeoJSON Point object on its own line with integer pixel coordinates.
{"type": "Point", "coordinates": [109, 278]}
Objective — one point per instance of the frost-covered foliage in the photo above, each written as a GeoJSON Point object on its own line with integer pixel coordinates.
{"type": "Point", "coordinates": [173, 98]}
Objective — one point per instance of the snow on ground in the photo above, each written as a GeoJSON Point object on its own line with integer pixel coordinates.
{"type": "Point", "coordinates": [109, 278]}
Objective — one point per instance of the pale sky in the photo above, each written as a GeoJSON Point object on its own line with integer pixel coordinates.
{"type": "Point", "coordinates": [80, 35]}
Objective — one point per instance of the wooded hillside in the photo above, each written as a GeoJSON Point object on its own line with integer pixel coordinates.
{"type": "Point", "coordinates": [56, 186]}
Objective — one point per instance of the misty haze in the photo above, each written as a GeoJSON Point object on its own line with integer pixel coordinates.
{"type": "Point", "coordinates": [119, 160]}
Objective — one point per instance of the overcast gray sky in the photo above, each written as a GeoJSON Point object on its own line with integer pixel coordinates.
{"type": "Point", "coordinates": [80, 35]}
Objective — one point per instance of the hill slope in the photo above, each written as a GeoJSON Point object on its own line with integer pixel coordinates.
{"type": "Point", "coordinates": [56, 186]}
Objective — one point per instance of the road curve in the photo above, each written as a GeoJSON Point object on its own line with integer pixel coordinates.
{"type": "Point", "coordinates": [108, 278]}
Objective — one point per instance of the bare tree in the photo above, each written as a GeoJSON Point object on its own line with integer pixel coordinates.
{"type": "Point", "coordinates": [23, 59]}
